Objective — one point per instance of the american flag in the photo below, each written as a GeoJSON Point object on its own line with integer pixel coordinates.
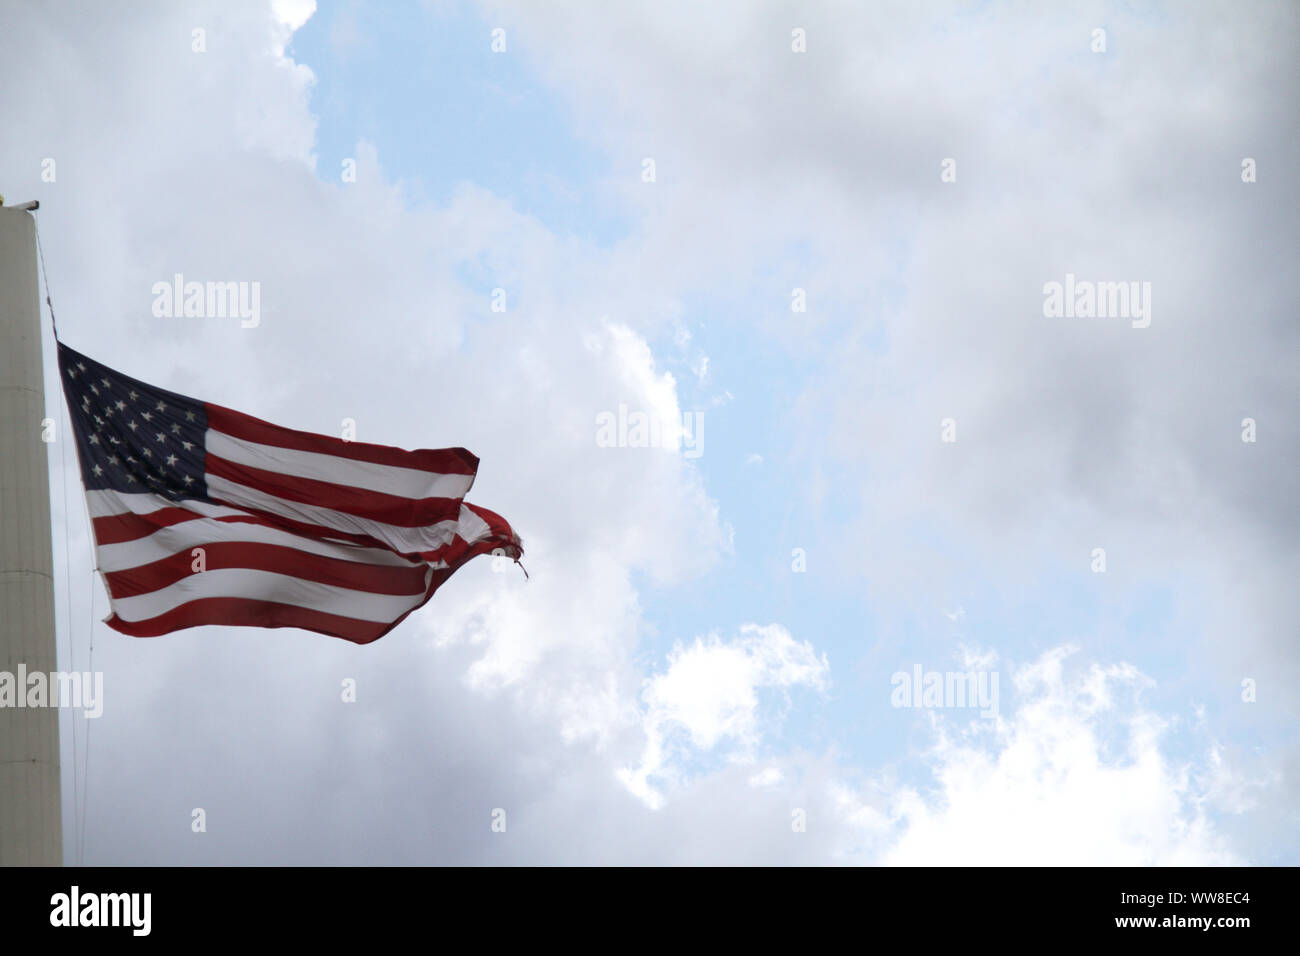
{"type": "Point", "coordinates": [203, 515]}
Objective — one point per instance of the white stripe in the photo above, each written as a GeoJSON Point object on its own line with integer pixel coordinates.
{"type": "Point", "coordinates": [389, 479]}
{"type": "Point", "coordinates": [103, 504]}
{"type": "Point", "coordinates": [267, 586]}
{"type": "Point", "coordinates": [405, 540]}
{"type": "Point", "coordinates": [202, 532]}
{"type": "Point", "coordinates": [471, 527]}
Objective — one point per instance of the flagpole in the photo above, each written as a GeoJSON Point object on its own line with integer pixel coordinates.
{"type": "Point", "coordinates": [31, 827]}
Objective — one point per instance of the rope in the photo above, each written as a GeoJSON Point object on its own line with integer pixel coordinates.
{"type": "Point", "coordinates": [79, 793]}
{"type": "Point", "coordinates": [85, 783]}
{"type": "Point", "coordinates": [40, 254]}
{"type": "Point", "coordinates": [67, 539]}
{"type": "Point", "coordinates": [90, 629]}
{"type": "Point", "coordinates": [67, 589]}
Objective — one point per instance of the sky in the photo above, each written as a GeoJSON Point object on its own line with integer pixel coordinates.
{"type": "Point", "coordinates": [815, 241]}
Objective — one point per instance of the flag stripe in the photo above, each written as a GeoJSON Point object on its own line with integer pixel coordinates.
{"type": "Point", "coordinates": [402, 540]}
{"type": "Point", "coordinates": [245, 612]}
{"type": "Point", "coordinates": [188, 535]}
{"type": "Point", "coordinates": [443, 461]}
{"type": "Point", "coordinates": [132, 519]}
{"type": "Point", "coordinates": [379, 579]}
{"type": "Point", "coordinates": [104, 502]}
{"type": "Point", "coordinates": [479, 531]}
{"type": "Point", "coordinates": [315, 531]}
{"type": "Point", "coordinates": [361, 503]}
{"type": "Point", "coordinates": [266, 585]}
{"type": "Point", "coordinates": [400, 482]}
{"type": "Point", "coordinates": [116, 529]}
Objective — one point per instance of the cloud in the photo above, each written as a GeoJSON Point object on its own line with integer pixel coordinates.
{"type": "Point", "coordinates": [823, 171]}
{"type": "Point", "coordinates": [367, 314]}
{"type": "Point", "coordinates": [709, 695]}
{"type": "Point", "coordinates": [924, 301]}
{"type": "Point", "coordinates": [1077, 776]}
{"type": "Point", "coordinates": [293, 13]}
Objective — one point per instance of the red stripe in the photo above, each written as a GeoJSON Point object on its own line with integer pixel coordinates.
{"type": "Point", "coordinates": [280, 559]}
{"type": "Point", "coordinates": [313, 531]}
{"type": "Point", "coordinates": [445, 461]}
{"type": "Point", "coordinates": [239, 612]}
{"type": "Point", "coordinates": [375, 505]}
{"type": "Point", "coordinates": [498, 525]}
{"type": "Point", "coordinates": [500, 536]}
{"type": "Point", "coordinates": [116, 529]}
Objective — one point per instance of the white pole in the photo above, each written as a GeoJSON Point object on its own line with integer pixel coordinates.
{"type": "Point", "coordinates": [31, 827]}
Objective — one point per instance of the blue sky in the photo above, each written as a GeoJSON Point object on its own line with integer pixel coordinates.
{"type": "Point", "coordinates": [664, 627]}
{"type": "Point", "coordinates": [443, 110]}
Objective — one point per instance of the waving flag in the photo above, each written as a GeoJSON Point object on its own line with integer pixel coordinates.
{"type": "Point", "coordinates": [203, 515]}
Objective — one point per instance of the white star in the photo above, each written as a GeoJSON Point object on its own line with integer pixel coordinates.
{"type": "Point", "coordinates": [161, 406]}
{"type": "Point", "coordinates": [94, 439]}
{"type": "Point", "coordinates": [130, 477]}
{"type": "Point", "coordinates": [130, 459]}
{"type": "Point", "coordinates": [95, 390]}
{"type": "Point", "coordinates": [106, 382]}
{"type": "Point", "coordinates": [114, 440]}
{"type": "Point", "coordinates": [176, 429]}
{"type": "Point", "coordinates": [189, 480]}
{"type": "Point", "coordinates": [134, 395]}
{"type": "Point", "coordinates": [132, 425]}
{"type": "Point", "coordinates": [71, 374]}
{"type": "Point", "coordinates": [112, 459]}
{"type": "Point", "coordinates": [147, 416]}
{"type": "Point", "coordinates": [97, 470]}
{"type": "Point", "coordinates": [189, 416]}
{"type": "Point", "coordinates": [162, 437]}
{"type": "Point", "coordinates": [147, 453]}
{"type": "Point", "coordinates": [187, 445]}
{"type": "Point", "coordinates": [121, 405]}
{"type": "Point", "coordinates": [108, 411]}
{"type": "Point", "coordinates": [81, 365]}
{"type": "Point", "coordinates": [99, 422]}
{"type": "Point", "coordinates": [171, 460]}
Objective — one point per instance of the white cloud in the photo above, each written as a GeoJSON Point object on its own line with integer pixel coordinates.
{"type": "Point", "coordinates": [293, 13]}
{"type": "Point", "coordinates": [363, 317]}
{"type": "Point", "coordinates": [1076, 776]}
{"type": "Point", "coordinates": [925, 297]}
{"type": "Point", "coordinates": [204, 164]}
{"type": "Point", "coordinates": [710, 695]}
